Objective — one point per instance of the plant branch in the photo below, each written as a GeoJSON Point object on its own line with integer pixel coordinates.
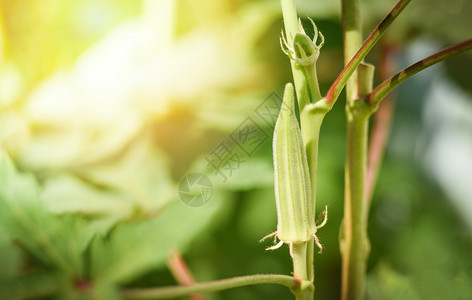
{"type": "Point", "coordinates": [388, 85]}
{"type": "Point", "coordinates": [208, 287]}
{"type": "Point", "coordinates": [346, 73]}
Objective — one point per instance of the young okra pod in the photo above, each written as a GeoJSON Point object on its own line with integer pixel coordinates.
{"type": "Point", "coordinates": [293, 194]}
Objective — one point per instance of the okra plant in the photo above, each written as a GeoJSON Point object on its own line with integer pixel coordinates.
{"type": "Point", "coordinates": [295, 153]}
{"type": "Point", "coordinates": [295, 144]}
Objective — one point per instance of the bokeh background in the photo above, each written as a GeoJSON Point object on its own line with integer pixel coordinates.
{"type": "Point", "coordinates": [105, 106]}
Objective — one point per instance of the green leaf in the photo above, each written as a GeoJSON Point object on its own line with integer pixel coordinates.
{"type": "Point", "coordinates": [54, 241]}
{"type": "Point", "coordinates": [135, 248]}
{"type": "Point", "coordinates": [67, 195]}
{"type": "Point", "coordinates": [133, 186]}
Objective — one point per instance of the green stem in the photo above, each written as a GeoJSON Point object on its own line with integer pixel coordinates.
{"type": "Point", "coordinates": [314, 87]}
{"type": "Point", "coordinates": [355, 245]}
{"type": "Point", "coordinates": [307, 90]}
{"type": "Point", "coordinates": [300, 271]}
{"type": "Point", "coordinates": [289, 13]}
{"type": "Point", "coordinates": [311, 119]}
{"type": "Point", "coordinates": [208, 287]}
{"type": "Point", "coordinates": [352, 36]}
{"type": "Point", "coordinates": [389, 84]}
{"type": "Point", "coordinates": [305, 78]}
{"type": "Point", "coordinates": [351, 67]}
{"type": "Point", "coordinates": [310, 261]}
{"type": "Point", "coordinates": [299, 261]}
{"type": "Point", "coordinates": [353, 266]}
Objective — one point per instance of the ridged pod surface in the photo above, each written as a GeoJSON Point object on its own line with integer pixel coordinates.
{"type": "Point", "coordinates": [293, 196]}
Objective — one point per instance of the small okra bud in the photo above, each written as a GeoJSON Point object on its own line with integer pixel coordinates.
{"type": "Point", "coordinates": [302, 49]}
{"type": "Point", "coordinates": [305, 51]}
{"type": "Point", "coordinates": [293, 195]}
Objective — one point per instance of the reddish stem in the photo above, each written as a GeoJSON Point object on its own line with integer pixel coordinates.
{"type": "Point", "coordinates": [340, 82]}
{"type": "Point", "coordinates": [181, 272]}
{"type": "Point", "coordinates": [389, 84]}
{"type": "Point", "coordinates": [382, 123]}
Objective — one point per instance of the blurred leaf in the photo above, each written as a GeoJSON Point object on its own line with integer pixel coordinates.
{"type": "Point", "coordinates": [458, 69]}
{"type": "Point", "coordinates": [69, 130]}
{"type": "Point", "coordinates": [449, 19]}
{"type": "Point", "coordinates": [258, 216]}
{"type": "Point", "coordinates": [86, 290]}
{"type": "Point", "coordinates": [256, 172]}
{"type": "Point", "coordinates": [68, 195]}
{"type": "Point", "coordinates": [438, 258]}
{"type": "Point", "coordinates": [385, 283]}
{"type": "Point", "coordinates": [105, 291]}
{"type": "Point", "coordinates": [32, 286]}
{"type": "Point", "coordinates": [14, 131]}
{"type": "Point", "coordinates": [140, 175]}
{"type": "Point", "coordinates": [55, 241]}
{"type": "Point", "coordinates": [9, 257]}
{"type": "Point", "coordinates": [11, 83]}
{"type": "Point", "coordinates": [135, 186]}
{"type": "Point", "coordinates": [130, 79]}
{"type": "Point", "coordinates": [138, 247]}
{"type": "Point", "coordinates": [420, 234]}
{"type": "Point", "coordinates": [242, 172]}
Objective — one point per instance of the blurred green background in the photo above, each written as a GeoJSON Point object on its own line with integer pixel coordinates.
{"type": "Point", "coordinates": [105, 106]}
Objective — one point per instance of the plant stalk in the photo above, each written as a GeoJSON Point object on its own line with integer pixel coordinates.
{"type": "Point", "coordinates": [352, 35]}
{"type": "Point", "coordinates": [301, 272]}
{"type": "Point", "coordinates": [289, 13]}
{"type": "Point", "coordinates": [308, 92]}
{"type": "Point", "coordinates": [311, 119]}
{"type": "Point", "coordinates": [355, 244]}
{"type": "Point", "coordinates": [305, 79]}
{"type": "Point", "coordinates": [208, 287]}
